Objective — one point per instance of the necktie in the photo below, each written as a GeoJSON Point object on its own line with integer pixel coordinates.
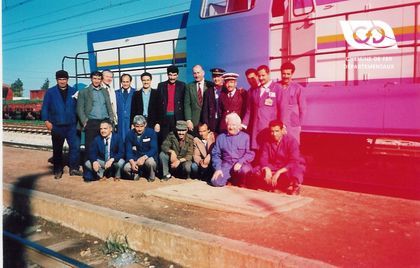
{"type": "Point", "coordinates": [125, 94]}
{"type": "Point", "coordinates": [200, 95]}
{"type": "Point", "coordinates": [106, 150]}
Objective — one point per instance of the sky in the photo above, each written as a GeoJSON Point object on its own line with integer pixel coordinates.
{"type": "Point", "coordinates": [36, 34]}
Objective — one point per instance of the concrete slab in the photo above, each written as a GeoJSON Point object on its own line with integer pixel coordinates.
{"type": "Point", "coordinates": [230, 199]}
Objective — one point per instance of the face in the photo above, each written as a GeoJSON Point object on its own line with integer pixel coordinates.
{"type": "Point", "coordinates": [252, 80]}
{"type": "Point", "coordinates": [181, 134]}
{"type": "Point", "coordinates": [105, 129]}
{"type": "Point", "coordinates": [203, 131]}
{"type": "Point", "coordinates": [198, 73]}
{"type": "Point", "coordinates": [62, 82]}
{"type": "Point", "coordinates": [218, 80]}
{"type": "Point", "coordinates": [96, 81]}
{"type": "Point", "coordinates": [139, 128]}
{"type": "Point", "coordinates": [276, 133]}
{"type": "Point", "coordinates": [147, 81]}
{"type": "Point", "coordinates": [230, 84]}
{"type": "Point", "coordinates": [125, 82]}
{"type": "Point", "coordinates": [107, 77]}
{"type": "Point", "coordinates": [263, 77]}
{"type": "Point", "coordinates": [232, 128]}
{"type": "Point", "coordinates": [286, 76]}
{"type": "Point", "coordinates": [172, 77]}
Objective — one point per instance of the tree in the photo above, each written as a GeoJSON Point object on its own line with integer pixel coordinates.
{"type": "Point", "coordinates": [46, 84]}
{"type": "Point", "coordinates": [17, 88]}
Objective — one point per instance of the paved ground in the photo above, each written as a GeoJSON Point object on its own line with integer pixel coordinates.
{"type": "Point", "coordinates": [337, 227]}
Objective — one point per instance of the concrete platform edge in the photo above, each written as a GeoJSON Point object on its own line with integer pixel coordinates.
{"type": "Point", "coordinates": [181, 245]}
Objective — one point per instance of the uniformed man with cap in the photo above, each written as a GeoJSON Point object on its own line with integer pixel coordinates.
{"type": "Point", "coordinates": [210, 113]}
{"type": "Point", "coordinates": [177, 152]}
{"type": "Point", "coordinates": [232, 99]}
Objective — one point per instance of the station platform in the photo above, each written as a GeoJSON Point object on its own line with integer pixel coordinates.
{"type": "Point", "coordinates": [195, 225]}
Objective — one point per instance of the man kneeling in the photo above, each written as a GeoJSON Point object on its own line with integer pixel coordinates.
{"type": "Point", "coordinates": [231, 154]}
{"type": "Point", "coordinates": [106, 152]}
{"type": "Point", "coordinates": [141, 145]}
{"type": "Point", "coordinates": [280, 159]}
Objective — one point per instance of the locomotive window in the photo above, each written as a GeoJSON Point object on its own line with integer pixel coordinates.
{"type": "Point", "coordinates": [211, 8]}
{"type": "Point", "coordinates": [303, 7]}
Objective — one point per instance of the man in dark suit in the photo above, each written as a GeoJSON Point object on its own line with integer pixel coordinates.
{"type": "Point", "coordinates": [148, 103]}
{"type": "Point", "coordinates": [141, 146]}
{"type": "Point", "coordinates": [210, 113]}
{"type": "Point", "coordinates": [106, 153]}
{"type": "Point", "coordinates": [172, 92]}
{"type": "Point", "coordinates": [59, 113]}
{"type": "Point", "coordinates": [93, 106]}
{"type": "Point", "coordinates": [194, 95]}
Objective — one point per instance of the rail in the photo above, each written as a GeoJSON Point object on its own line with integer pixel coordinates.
{"type": "Point", "coordinates": [45, 256]}
{"type": "Point", "coordinates": [80, 57]}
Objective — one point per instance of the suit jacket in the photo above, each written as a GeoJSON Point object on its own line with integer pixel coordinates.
{"type": "Point", "coordinates": [124, 111]}
{"type": "Point", "coordinates": [191, 105]}
{"type": "Point", "coordinates": [146, 144]}
{"type": "Point", "coordinates": [179, 98]}
{"type": "Point", "coordinates": [200, 150]}
{"type": "Point", "coordinates": [85, 104]}
{"type": "Point", "coordinates": [56, 111]}
{"type": "Point", "coordinates": [210, 108]}
{"type": "Point", "coordinates": [155, 110]}
{"type": "Point", "coordinates": [97, 148]}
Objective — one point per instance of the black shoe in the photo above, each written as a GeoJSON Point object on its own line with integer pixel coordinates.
{"type": "Point", "coordinates": [58, 175]}
{"type": "Point", "coordinates": [75, 172]}
{"type": "Point", "coordinates": [151, 179]}
{"type": "Point", "coordinates": [166, 177]}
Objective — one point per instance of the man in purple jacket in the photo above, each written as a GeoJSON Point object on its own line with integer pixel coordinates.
{"type": "Point", "coordinates": [280, 159]}
{"type": "Point", "coordinates": [231, 155]}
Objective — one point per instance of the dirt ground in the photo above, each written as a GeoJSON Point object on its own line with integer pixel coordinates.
{"type": "Point", "coordinates": [341, 228]}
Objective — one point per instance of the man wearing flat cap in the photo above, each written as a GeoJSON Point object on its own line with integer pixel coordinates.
{"type": "Point", "coordinates": [210, 113]}
{"type": "Point", "coordinates": [177, 152]}
{"type": "Point", "coordinates": [59, 113]}
{"type": "Point", "coordinates": [232, 99]}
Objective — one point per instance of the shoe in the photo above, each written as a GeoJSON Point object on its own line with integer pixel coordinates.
{"type": "Point", "coordinates": [58, 175]}
{"type": "Point", "coordinates": [117, 179]}
{"type": "Point", "coordinates": [75, 172]}
{"type": "Point", "coordinates": [166, 177]}
{"type": "Point", "coordinates": [294, 189]}
{"type": "Point", "coordinates": [136, 177]}
{"type": "Point", "coordinates": [151, 179]}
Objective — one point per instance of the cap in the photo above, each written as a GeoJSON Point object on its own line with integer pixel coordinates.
{"type": "Point", "coordinates": [217, 71]}
{"type": "Point", "coordinates": [230, 76]}
{"type": "Point", "coordinates": [61, 74]}
{"type": "Point", "coordinates": [181, 125]}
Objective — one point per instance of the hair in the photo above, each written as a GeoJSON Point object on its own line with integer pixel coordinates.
{"type": "Point", "coordinates": [251, 71]}
{"type": "Point", "coordinates": [129, 76]}
{"type": "Point", "coordinates": [139, 120]}
{"type": "Point", "coordinates": [276, 123]}
{"type": "Point", "coordinates": [146, 74]}
{"type": "Point", "coordinates": [288, 66]}
{"type": "Point", "coordinates": [107, 121]}
{"type": "Point", "coordinates": [172, 69]}
{"type": "Point", "coordinates": [263, 67]}
{"type": "Point", "coordinates": [95, 73]}
{"type": "Point", "coordinates": [202, 124]}
{"type": "Point", "coordinates": [107, 71]}
{"type": "Point", "coordinates": [234, 117]}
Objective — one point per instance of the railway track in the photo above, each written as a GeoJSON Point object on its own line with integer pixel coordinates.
{"type": "Point", "coordinates": [26, 128]}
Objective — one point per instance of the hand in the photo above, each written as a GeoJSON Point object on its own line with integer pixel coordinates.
{"type": "Point", "coordinates": [173, 156]}
{"type": "Point", "coordinates": [175, 164]}
{"type": "Point", "coordinates": [190, 125]}
{"type": "Point", "coordinates": [134, 166]}
{"type": "Point", "coordinates": [267, 175]}
{"type": "Point", "coordinates": [217, 174]}
{"type": "Point", "coordinates": [207, 159]}
{"type": "Point", "coordinates": [277, 176]}
{"type": "Point", "coordinates": [96, 166]}
{"type": "Point", "coordinates": [157, 128]}
{"type": "Point", "coordinates": [141, 160]}
{"type": "Point", "coordinates": [108, 163]}
{"type": "Point", "coordinates": [237, 167]}
{"type": "Point", "coordinates": [48, 125]}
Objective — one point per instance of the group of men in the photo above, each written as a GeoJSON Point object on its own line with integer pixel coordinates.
{"type": "Point", "coordinates": [213, 131]}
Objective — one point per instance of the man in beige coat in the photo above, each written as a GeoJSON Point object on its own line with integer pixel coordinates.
{"type": "Point", "coordinates": [201, 166]}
